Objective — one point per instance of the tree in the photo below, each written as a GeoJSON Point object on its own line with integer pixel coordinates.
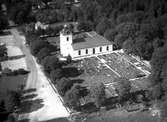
{"type": "Point", "coordinates": [3, 51]}
{"type": "Point", "coordinates": [158, 43]}
{"type": "Point", "coordinates": [158, 60]}
{"type": "Point", "coordinates": [43, 53]}
{"type": "Point", "coordinates": [3, 113]}
{"type": "Point", "coordinates": [123, 86]}
{"type": "Point", "coordinates": [19, 11]}
{"type": "Point", "coordinates": [139, 46]}
{"type": "Point", "coordinates": [56, 75]}
{"type": "Point", "coordinates": [47, 16]}
{"type": "Point", "coordinates": [73, 96]}
{"type": "Point", "coordinates": [3, 22]}
{"type": "Point", "coordinates": [135, 17]}
{"type": "Point", "coordinates": [102, 26]}
{"type": "Point", "coordinates": [85, 26]}
{"type": "Point", "coordinates": [50, 63]}
{"type": "Point", "coordinates": [119, 40]}
{"type": "Point", "coordinates": [156, 91]}
{"type": "Point", "coordinates": [91, 11]}
{"type": "Point", "coordinates": [110, 34]}
{"type": "Point", "coordinates": [124, 18]}
{"type": "Point", "coordinates": [14, 100]}
{"type": "Point", "coordinates": [97, 91]}
{"type": "Point", "coordinates": [69, 59]}
{"type": "Point", "coordinates": [163, 109]}
{"type": "Point", "coordinates": [29, 28]}
{"type": "Point", "coordinates": [129, 46]}
{"type": "Point", "coordinates": [125, 32]}
{"type": "Point", "coordinates": [128, 29]}
{"type": "Point", "coordinates": [53, 31]}
{"type": "Point", "coordinates": [37, 45]}
{"type": "Point", "coordinates": [64, 84]}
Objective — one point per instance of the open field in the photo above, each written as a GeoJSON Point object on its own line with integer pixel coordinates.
{"type": "Point", "coordinates": [13, 51]}
{"type": "Point", "coordinates": [16, 63]}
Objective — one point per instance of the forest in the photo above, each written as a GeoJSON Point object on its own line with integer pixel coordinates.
{"type": "Point", "coordinates": [137, 26]}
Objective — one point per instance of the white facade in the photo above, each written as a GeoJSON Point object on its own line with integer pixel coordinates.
{"type": "Point", "coordinates": [92, 51]}
{"type": "Point", "coordinates": [66, 44]}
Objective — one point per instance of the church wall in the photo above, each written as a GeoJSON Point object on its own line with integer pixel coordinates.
{"type": "Point", "coordinates": [90, 51]}
{"type": "Point", "coordinates": [97, 50]}
{"type": "Point", "coordinates": [83, 52]}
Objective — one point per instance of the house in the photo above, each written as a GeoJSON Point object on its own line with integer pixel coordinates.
{"type": "Point", "coordinates": [83, 45]}
{"type": "Point", "coordinates": [41, 26]}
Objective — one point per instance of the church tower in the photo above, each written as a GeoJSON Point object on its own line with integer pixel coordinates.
{"type": "Point", "coordinates": [66, 41]}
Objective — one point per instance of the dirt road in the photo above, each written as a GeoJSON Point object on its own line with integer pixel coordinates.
{"type": "Point", "coordinates": [52, 104]}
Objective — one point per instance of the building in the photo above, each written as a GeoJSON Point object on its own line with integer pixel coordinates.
{"type": "Point", "coordinates": [41, 26]}
{"type": "Point", "coordinates": [83, 45]}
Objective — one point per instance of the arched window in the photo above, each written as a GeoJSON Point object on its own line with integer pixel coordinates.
{"type": "Point", "coordinates": [79, 52]}
{"type": "Point", "coordinates": [93, 50]}
{"type": "Point", "coordinates": [100, 49]}
{"type": "Point", "coordinates": [86, 51]}
{"type": "Point", "coordinates": [107, 48]}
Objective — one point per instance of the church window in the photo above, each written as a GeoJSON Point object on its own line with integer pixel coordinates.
{"type": "Point", "coordinates": [107, 48]}
{"type": "Point", "coordinates": [100, 49]}
{"type": "Point", "coordinates": [86, 51]}
{"type": "Point", "coordinates": [79, 52]}
{"type": "Point", "coordinates": [93, 50]}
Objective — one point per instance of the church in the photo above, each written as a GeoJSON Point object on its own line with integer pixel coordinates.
{"type": "Point", "coordinates": [83, 45]}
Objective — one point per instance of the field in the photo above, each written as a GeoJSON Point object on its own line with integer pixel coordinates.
{"type": "Point", "coordinates": [10, 83]}
{"type": "Point", "coordinates": [16, 59]}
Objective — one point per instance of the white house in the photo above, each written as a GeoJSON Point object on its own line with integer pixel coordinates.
{"type": "Point", "coordinates": [83, 45]}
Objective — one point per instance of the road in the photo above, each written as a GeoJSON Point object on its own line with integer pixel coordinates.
{"type": "Point", "coordinates": [53, 106]}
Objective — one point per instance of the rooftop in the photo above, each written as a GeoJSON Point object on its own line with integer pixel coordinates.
{"type": "Point", "coordinates": [89, 40]}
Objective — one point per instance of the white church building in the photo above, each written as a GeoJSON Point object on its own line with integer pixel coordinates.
{"type": "Point", "coordinates": [83, 45]}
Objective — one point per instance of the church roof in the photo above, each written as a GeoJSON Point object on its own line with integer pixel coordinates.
{"type": "Point", "coordinates": [89, 40]}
